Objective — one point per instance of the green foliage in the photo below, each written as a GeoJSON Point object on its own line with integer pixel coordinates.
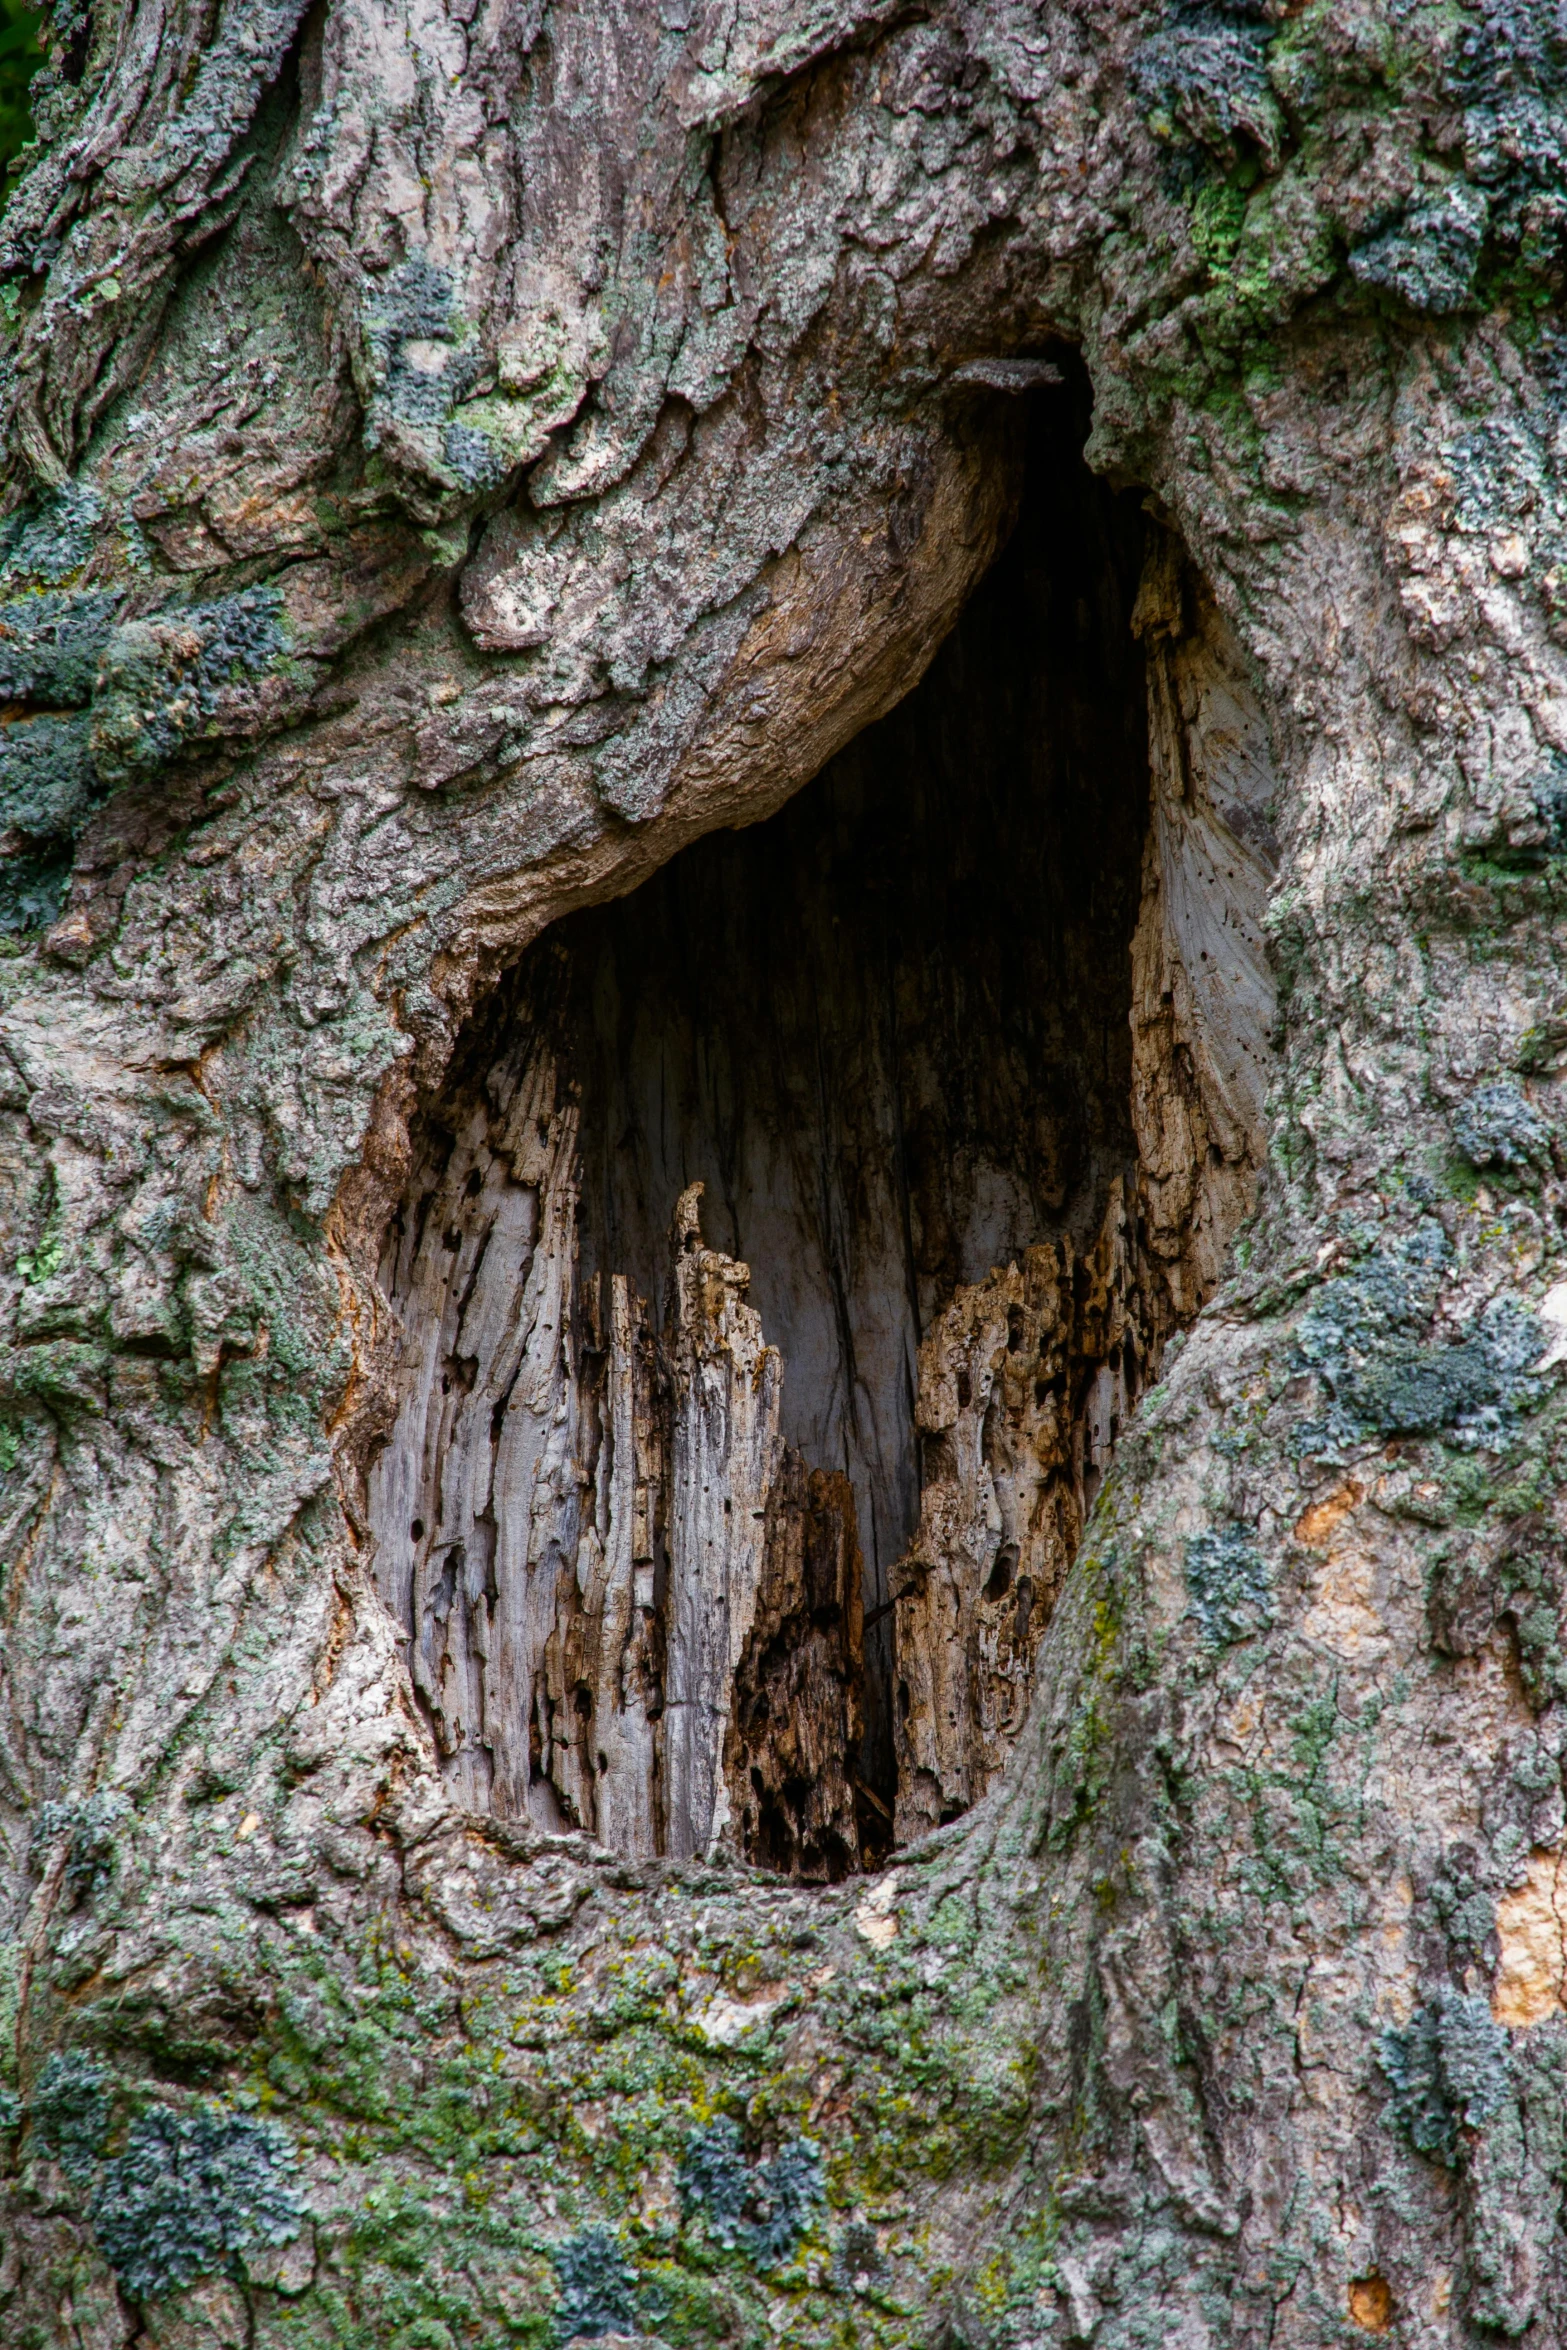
{"type": "Point", "coordinates": [190, 2193]}
{"type": "Point", "coordinates": [43, 1262]}
{"type": "Point", "coordinates": [1447, 2068]}
{"type": "Point", "coordinates": [20, 57]}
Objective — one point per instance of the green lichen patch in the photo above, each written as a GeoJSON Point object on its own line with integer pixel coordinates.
{"type": "Point", "coordinates": [1302, 1801]}
{"type": "Point", "coordinates": [190, 2193]}
{"type": "Point", "coordinates": [552, 2144]}
{"type": "Point", "coordinates": [1498, 1126]}
{"type": "Point", "coordinates": [1447, 2070]}
{"type": "Point", "coordinates": [761, 2208]}
{"type": "Point", "coordinates": [1228, 1585]}
{"type": "Point", "coordinates": [1362, 1337]}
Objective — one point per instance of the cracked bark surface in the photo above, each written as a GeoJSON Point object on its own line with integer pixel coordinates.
{"type": "Point", "coordinates": [457, 462]}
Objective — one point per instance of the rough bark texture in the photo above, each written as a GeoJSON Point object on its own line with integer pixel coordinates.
{"type": "Point", "coordinates": [457, 459]}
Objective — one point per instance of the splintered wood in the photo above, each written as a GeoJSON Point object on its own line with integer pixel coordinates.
{"type": "Point", "coordinates": [630, 1606]}
{"type": "Point", "coordinates": [591, 1529]}
{"type": "Point", "coordinates": [1023, 1384]}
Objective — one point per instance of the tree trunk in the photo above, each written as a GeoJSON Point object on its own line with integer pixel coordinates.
{"type": "Point", "coordinates": [785, 803]}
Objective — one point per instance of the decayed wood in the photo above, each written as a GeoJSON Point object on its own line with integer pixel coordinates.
{"type": "Point", "coordinates": [725, 1455]}
{"type": "Point", "coordinates": [797, 1719]}
{"type": "Point", "coordinates": [1024, 1383]}
{"type": "Point", "coordinates": [474, 1501]}
{"type": "Point", "coordinates": [630, 1606]}
{"type": "Point", "coordinates": [1202, 994]}
{"type": "Point", "coordinates": [572, 1514]}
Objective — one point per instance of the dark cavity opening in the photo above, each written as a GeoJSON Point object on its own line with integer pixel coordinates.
{"type": "Point", "coordinates": [887, 1029]}
{"type": "Point", "coordinates": [888, 1032]}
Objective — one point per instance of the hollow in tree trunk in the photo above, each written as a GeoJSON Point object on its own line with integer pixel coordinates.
{"type": "Point", "coordinates": [785, 814]}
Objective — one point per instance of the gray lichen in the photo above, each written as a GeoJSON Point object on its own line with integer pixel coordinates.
{"type": "Point", "coordinates": [47, 778]}
{"type": "Point", "coordinates": [159, 681]}
{"type": "Point", "coordinates": [1429, 256]}
{"type": "Point", "coordinates": [190, 2193]}
{"type": "Point", "coordinates": [419, 366]}
{"type": "Point", "coordinates": [1228, 1585]}
{"type": "Point", "coordinates": [1522, 1579]}
{"type": "Point", "coordinates": [857, 2258]}
{"type": "Point", "coordinates": [32, 888]}
{"type": "Point", "coordinates": [46, 541]}
{"type": "Point", "coordinates": [1498, 1126]}
{"type": "Point", "coordinates": [597, 2285]}
{"type": "Point", "coordinates": [1206, 76]}
{"type": "Point", "coordinates": [1509, 73]}
{"type": "Point", "coordinates": [1447, 2069]}
{"type": "Point", "coordinates": [70, 2109]}
{"type": "Point", "coordinates": [141, 690]}
{"type": "Point", "coordinates": [760, 2209]}
{"type": "Point", "coordinates": [1362, 1337]}
{"type": "Point", "coordinates": [90, 1823]}
{"type": "Point", "coordinates": [50, 646]}
{"type": "Point", "coordinates": [411, 324]}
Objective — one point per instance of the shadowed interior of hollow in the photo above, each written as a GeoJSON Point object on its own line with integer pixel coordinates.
{"type": "Point", "coordinates": [888, 1028]}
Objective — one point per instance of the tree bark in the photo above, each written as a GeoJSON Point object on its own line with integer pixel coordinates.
{"type": "Point", "coordinates": [479, 1865]}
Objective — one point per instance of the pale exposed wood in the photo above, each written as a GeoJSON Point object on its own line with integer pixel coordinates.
{"type": "Point", "coordinates": [572, 1515]}
{"type": "Point", "coordinates": [1024, 1383]}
